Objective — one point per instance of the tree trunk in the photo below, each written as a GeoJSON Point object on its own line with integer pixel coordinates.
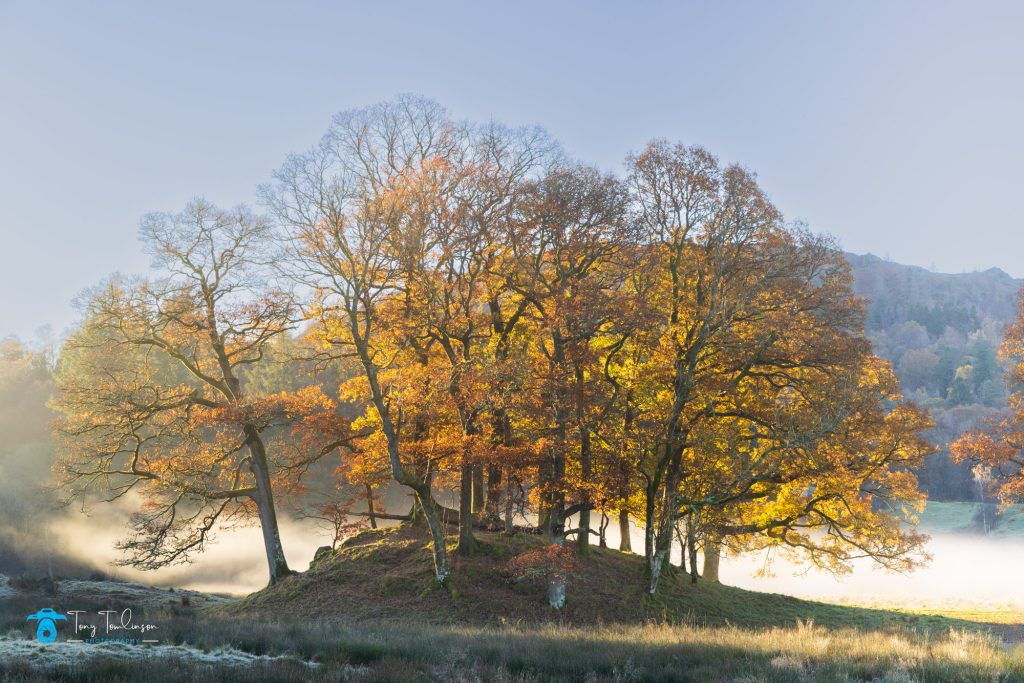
{"type": "Point", "coordinates": [556, 580]}
{"type": "Point", "coordinates": [479, 490]}
{"type": "Point", "coordinates": [662, 548]}
{"type": "Point", "coordinates": [691, 547]}
{"type": "Point", "coordinates": [712, 558]}
{"type": "Point", "coordinates": [650, 492]}
{"type": "Point", "coordinates": [509, 526]}
{"type": "Point", "coordinates": [264, 499]}
{"type": "Point", "coordinates": [467, 542]}
{"type": "Point", "coordinates": [602, 530]}
{"type": "Point", "coordinates": [492, 498]}
{"type": "Point", "coordinates": [681, 537]}
{"type": "Point", "coordinates": [369, 506]}
{"type": "Point", "coordinates": [416, 518]}
{"type": "Point", "coordinates": [625, 542]}
{"type": "Point", "coordinates": [666, 523]}
{"type": "Point", "coordinates": [429, 507]}
{"type": "Point", "coordinates": [583, 538]}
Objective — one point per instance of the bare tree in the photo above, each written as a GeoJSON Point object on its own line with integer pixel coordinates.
{"type": "Point", "coordinates": [151, 397]}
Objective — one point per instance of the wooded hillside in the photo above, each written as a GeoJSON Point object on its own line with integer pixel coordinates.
{"type": "Point", "coordinates": [941, 331]}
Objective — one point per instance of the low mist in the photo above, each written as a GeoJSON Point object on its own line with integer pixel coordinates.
{"type": "Point", "coordinates": [233, 563]}
{"type": "Point", "coordinates": [953, 576]}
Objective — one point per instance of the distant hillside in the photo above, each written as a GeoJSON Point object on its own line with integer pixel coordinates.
{"type": "Point", "coordinates": [898, 292]}
{"type": "Point", "coordinates": [941, 331]}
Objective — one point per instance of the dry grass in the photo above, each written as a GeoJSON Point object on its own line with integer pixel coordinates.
{"type": "Point", "coordinates": [652, 652]}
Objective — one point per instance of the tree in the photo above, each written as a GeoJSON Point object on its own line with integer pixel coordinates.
{"type": "Point", "coordinates": [997, 447]}
{"type": "Point", "coordinates": [664, 347]}
{"type": "Point", "coordinates": [151, 396]}
{"type": "Point", "coordinates": [848, 490]}
{"type": "Point", "coordinates": [961, 390]}
{"type": "Point", "coordinates": [567, 267]}
{"type": "Point", "coordinates": [462, 206]}
{"type": "Point", "coordinates": [759, 342]}
{"type": "Point", "coordinates": [343, 207]}
{"type": "Point", "coordinates": [918, 368]}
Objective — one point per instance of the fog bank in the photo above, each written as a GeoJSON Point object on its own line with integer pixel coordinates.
{"type": "Point", "coordinates": [965, 569]}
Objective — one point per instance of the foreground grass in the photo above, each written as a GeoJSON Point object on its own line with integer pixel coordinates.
{"type": "Point", "coordinates": [650, 652]}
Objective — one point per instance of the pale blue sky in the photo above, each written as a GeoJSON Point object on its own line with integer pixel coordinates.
{"type": "Point", "coordinates": [895, 126]}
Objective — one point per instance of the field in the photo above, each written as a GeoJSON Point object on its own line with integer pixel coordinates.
{"type": "Point", "coordinates": [974, 518]}
{"type": "Point", "coordinates": [370, 613]}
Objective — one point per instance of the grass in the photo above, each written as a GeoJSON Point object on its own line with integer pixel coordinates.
{"type": "Point", "coordinates": [1010, 522]}
{"type": "Point", "coordinates": [951, 518]}
{"type": "Point", "coordinates": [967, 518]}
{"type": "Point", "coordinates": [646, 652]}
{"type": "Point", "coordinates": [370, 613]}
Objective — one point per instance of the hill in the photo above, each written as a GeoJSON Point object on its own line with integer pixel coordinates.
{"type": "Point", "coordinates": [374, 595]}
{"type": "Point", "coordinates": [941, 332]}
{"type": "Point", "coordinates": [385, 575]}
{"type": "Point", "coordinates": [900, 292]}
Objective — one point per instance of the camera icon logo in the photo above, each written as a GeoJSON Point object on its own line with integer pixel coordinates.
{"type": "Point", "coordinates": [46, 632]}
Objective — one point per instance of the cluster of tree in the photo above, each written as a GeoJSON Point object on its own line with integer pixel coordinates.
{"type": "Point", "coordinates": [995, 449]}
{"type": "Point", "coordinates": [941, 333]}
{"type": "Point", "coordinates": [950, 370]}
{"type": "Point", "coordinates": [541, 340]}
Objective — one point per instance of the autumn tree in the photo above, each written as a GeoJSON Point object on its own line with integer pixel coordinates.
{"type": "Point", "coordinates": [756, 319]}
{"type": "Point", "coordinates": [662, 345]}
{"type": "Point", "coordinates": [997, 447]}
{"type": "Point", "coordinates": [344, 209]}
{"type": "Point", "coordinates": [152, 400]}
{"type": "Point", "coordinates": [568, 269]}
{"type": "Point", "coordinates": [460, 207]}
{"type": "Point", "coordinates": [829, 492]}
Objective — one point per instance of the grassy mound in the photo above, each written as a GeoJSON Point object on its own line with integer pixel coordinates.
{"type": "Point", "coordinates": [386, 575]}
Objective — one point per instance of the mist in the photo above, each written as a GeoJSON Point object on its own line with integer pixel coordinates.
{"type": "Point", "coordinates": [234, 562]}
{"type": "Point", "coordinates": [27, 506]}
{"type": "Point", "coordinates": [950, 579]}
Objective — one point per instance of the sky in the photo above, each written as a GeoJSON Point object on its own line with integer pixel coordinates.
{"type": "Point", "coordinates": [894, 126]}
